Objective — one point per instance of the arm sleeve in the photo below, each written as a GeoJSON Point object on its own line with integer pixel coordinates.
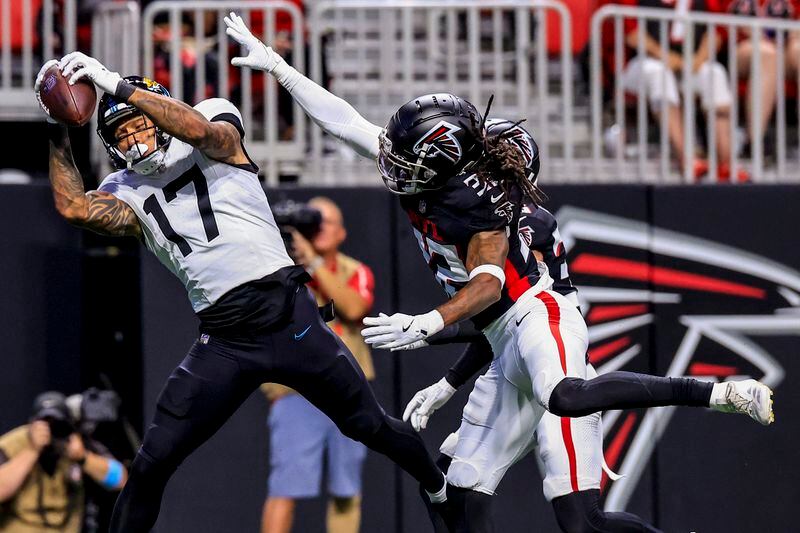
{"type": "Point", "coordinates": [464, 331]}
{"type": "Point", "coordinates": [476, 356]}
{"type": "Point", "coordinates": [329, 112]}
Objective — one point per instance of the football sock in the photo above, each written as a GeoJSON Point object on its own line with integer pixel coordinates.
{"type": "Point", "coordinates": [576, 397]}
{"type": "Point", "coordinates": [472, 510]}
{"type": "Point", "coordinates": [579, 512]}
{"type": "Point", "coordinates": [440, 495]}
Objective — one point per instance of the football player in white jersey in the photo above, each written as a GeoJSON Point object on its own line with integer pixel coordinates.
{"type": "Point", "coordinates": [463, 195]}
{"type": "Point", "coordinates": [187, 188]}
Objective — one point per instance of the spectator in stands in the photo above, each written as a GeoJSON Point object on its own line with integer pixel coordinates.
{"type": "Point", "coordinates": [43, 466]}
{"type": "Point", "coordinates": [768, 78]}
{"type": "Point", "coordinates": [300, 435]}
{"type": "Point", "coordinates": [659, 70]}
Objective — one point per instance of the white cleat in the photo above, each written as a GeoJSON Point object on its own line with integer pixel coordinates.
{"type": "Point", "coordinates": [749, 397]}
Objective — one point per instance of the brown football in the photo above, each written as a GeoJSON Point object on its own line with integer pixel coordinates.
{"type": "Point", "coordinates": [71, 105]}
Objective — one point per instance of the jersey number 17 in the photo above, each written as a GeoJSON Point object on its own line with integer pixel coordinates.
{"type": "Point", "coordinates": [194, 176]}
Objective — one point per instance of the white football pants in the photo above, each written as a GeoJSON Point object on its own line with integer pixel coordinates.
{"type": "Point", "coordinates": [537, 342]}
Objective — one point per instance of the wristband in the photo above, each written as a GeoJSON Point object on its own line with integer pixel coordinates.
{"type": "Point", "coordinates": [124, 91]}
{"type": "Point", "coordinates": [113, 475]}
{"type": "Point", "coordinates": [492, 270]}
{"type": "Point", "coordinates": [82, 460]}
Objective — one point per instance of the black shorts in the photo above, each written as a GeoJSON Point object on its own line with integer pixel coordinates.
{"type": "Point", "coordinates": [221, 371]}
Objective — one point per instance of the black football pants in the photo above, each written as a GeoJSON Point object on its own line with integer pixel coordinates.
{"type": "Point", "coordinates": [218, 374]}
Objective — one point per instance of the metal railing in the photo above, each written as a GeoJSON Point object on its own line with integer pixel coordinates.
{"type": "Point", "coordinates": [276, 150]}
{"type": "Point", "coordinates": [382, 54]}
{"type": "Point", "coordinates": [24, 47]}
{"type": "Point", "coordinates": [634, 161]}
{"type": "Point", "coordinates": [116, 32]}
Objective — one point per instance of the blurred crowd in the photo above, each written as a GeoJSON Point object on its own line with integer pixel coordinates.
{"type": "Point", "coordinates": [655, 72]}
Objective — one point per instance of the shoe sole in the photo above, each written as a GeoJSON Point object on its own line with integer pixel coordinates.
{"type": "Point", "coordinates": [768, 417]}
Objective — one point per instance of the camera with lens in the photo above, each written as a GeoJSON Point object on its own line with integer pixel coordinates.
{"type": "Point", "coordinates": [300, 216]}
{"type": "Point", "coordinates": [52, 408]}
{"type": "Point", "coordinates": [78, 413]}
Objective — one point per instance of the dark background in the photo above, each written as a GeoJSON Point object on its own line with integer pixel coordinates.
{"type": "Point", "coordinates": [78, 310]}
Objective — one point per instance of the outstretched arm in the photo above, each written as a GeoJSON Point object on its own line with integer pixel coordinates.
{"type": "Point", "coordinates": [486, 256]}
{"type": "Point", "coordinates": [486, 249]}
{"type": "Point", "coordinates": [218, 140]}
{"type": "Point", "coordinates": [98, 211]}
{"type": "Point", "coordinates": [328, 111]}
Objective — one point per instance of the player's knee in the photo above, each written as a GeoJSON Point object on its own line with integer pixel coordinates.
{"type": "Point", "coordinates": [148, 471]}
{"type": "Point", "coordinates": [463, 474]}
{"type": "Point", "coordinates": [364, 427]}
{"type": "Point", "coordinates": [568, 398]}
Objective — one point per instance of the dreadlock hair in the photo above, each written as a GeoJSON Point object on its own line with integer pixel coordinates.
{"type": "Point", "coordinates": [502, 162]}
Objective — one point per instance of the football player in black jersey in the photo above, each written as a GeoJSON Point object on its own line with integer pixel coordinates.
{"type": "Point", "coordinates": [576, 508]}
{"type": "Point", "coordinates": [464, 193]}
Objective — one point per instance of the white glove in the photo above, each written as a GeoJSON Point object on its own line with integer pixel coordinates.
{"type": "Point", "coordinates": [79, 65]}
{"type": "Point", "coordinates": [259, 55]}
{"type": "Point", "coordinates": [38, 85]}
{"type": "Point", "coordinates": [399, 330]}
{"type": "Point", "coordinates": [426, 402]}
{"type": "Point", "coordinates": [413, 346]}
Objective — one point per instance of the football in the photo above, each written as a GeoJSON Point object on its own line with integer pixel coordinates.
{"type": "Point", "coordinates": [71, 105]}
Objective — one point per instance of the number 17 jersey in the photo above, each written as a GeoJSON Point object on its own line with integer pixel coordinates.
{"type": "Point", "coordinates": [207, 221]}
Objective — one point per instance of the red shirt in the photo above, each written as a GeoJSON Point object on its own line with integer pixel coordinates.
{"type": "Point", "coordinates": [362, 281]}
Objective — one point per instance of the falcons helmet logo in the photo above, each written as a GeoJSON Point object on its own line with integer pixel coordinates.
{"type": "Point", "coordinates": [715, 303]}
{"type": "Point", "coordinates": [439, 140]}
{"type": "Point", "coordinates": [521, 140]}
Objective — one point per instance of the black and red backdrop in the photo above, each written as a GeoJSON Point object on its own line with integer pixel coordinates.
{"type": "Point", "coordinates": [700, 281]}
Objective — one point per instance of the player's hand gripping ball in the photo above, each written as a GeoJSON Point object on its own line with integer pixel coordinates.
{"type": "Point", "coordinates": [71, 105]}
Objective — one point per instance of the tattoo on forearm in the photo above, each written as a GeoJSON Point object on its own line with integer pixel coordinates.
{"type": "Point", "coordinates": [187, 124]}
{"type": "Point", "coordinates": [65, 179]}
{"type": "Point", "coordinates": [98, 211]}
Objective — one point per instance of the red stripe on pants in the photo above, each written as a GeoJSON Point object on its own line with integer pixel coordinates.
{"type": "Point", "coordinates": [554, 318]}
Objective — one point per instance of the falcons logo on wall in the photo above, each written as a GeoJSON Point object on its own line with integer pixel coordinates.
{"type": "Point", "coordinates": [713, 304]}
{"type": "Point", "coordinates": [440, 140]}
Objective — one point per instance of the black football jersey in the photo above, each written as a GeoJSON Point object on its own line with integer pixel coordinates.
{"type": "Point", "coordinates": [538, 230]}
{"type": "Point", "coordinates": [444, 222]}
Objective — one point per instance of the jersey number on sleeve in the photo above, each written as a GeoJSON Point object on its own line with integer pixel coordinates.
{"type": "Point", "coordinates": [445, 263]}
{"type": "Point", "coordinates": [194, 176]}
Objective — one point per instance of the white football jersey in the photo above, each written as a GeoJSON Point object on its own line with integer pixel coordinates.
{"type": "Point", "coordinates": [208, 222]}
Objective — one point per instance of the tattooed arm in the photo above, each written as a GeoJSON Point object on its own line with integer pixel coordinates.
{"type": "Point", "coordinates": [98, 211]}
{"type": "Point", "coordinates": [218, 140]}
{"type": "Point", "coordinates": [485, 248]}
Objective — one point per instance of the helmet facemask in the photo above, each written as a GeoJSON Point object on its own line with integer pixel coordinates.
{"type": "Point", "coordinates": [400, 175]}
{"type": "Point", "coordinates": [112, 112]}
{"type": "Point", "coordinates": [138, 157]}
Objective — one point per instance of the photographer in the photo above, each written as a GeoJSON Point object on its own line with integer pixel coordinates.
{"type": "Point", "coordinates": [300, 435]}
{"type": "Point", "coordinates": [42, 466]}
